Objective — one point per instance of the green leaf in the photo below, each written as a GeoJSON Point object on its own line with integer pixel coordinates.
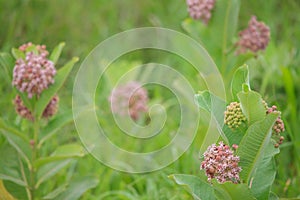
{"type": "Point", "coordinates": [18, 53]}
{"type": "Point", "coordinates": [215, 106]}
{"type": "Point", "coordinates": [56, 124]}
{"type": "Point", "coordinates": [47, 171]}
{"type": "Point", "coordinates": [60, 78]}
{"type": "Point", "coordinates": [56, 192]}
{"type": "Point", "coordinates": [4, 194]}
{"type": "Point", "coordinates": [61, 153]}
{"type": "Point", "coordinates": [252, 106]}
{"type": "Point", "coordinates": [231, 191]}
{"type": "Point", "coordinates": [56, 52]}
{"type": "Point", "coordinates": [199, 188]}
{"type": "Point", "coordinates": [7, 64]}
{"type": "Point", "coordinates": [12, 130]}
{"type": "Point", "coordinates": [253, 144]}
{"type": "Point", "coordinates": [240, 77]}
{"type": "Point", "coordinates": [78, 187]}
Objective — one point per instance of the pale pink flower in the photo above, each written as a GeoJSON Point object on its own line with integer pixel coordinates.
{"type": "Point", "coordinates": [200, 9]}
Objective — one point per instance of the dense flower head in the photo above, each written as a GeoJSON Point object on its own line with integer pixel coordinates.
{"type": "Point", "coordinates": [34, 73]}
{"type": "Point", "coordinates": [131, 97]}
{"type": "Point", "coordinates": [52, 107]}
{"type": "Point", "coordinates": [200, 9]}
{"type": "Point", "coordinates": [234, 116]}
{"type": "Point", "coordinates": [24, 112]}
{"type": "Point", "coordinates": [221, 163]}
{"type": "Point", "coordinates": [279, 125]}
{"type": "Point", "coordinates": [254, 38]}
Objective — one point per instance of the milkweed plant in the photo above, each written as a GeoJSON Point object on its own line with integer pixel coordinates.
{"type": "Point", "coordinates": [25, 173]}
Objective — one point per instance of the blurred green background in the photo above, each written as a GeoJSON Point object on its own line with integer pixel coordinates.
{"type": "Point", "coordinates": [84, 24]}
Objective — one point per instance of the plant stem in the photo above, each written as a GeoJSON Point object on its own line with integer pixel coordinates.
{"type": "Point", "coordinates": [36, 129]}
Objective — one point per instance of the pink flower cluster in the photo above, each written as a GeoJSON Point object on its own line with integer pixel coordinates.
{"type": "Point", "coordinates": [220, 163]}
{"type": "Point", "coordinates": [254, 38]}
{"type": "Point", "coordinates": [278, 126]}
{"type": "Point", "coordinates": [24, 112]}
{"type": "Point", "coordinates": [131, 97]}
{"type": "Point", "coordinates": [34, 73]}
{"type": "Point", "coordinates": [200, 9]}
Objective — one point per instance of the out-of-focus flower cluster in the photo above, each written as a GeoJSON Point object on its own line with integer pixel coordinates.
{"type": "Point", "coordinates": [221, 163]}
{"type": "Point", "coordinates": [254, 38]}
{"type": "Point", "coordinates": [200, 9]}
{"type": "Point", "coordinates": [234, 116]}
{"type": "Point", "coordinates": [34, 73]}
{"type": "Point", "coordinates": [278, 126]}
{"type": "Point", "coordinates": [130, 98]}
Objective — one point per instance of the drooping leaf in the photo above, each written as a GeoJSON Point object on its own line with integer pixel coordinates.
{"type": "Point", "coordinates": [199, 188]}
{"type": "Point", "coordinates": [56, 52]}
{"type": "Point", "coordinates": [54, 125]}
{"type": "Point", "coordinates": [231, 191]}
{"type": "Point", "coordinates": [252, 105]}
{"type": "Point", "coordinates": [61, 153]}
{"type": "Point", "coordinates": [78, 187]}
{"type": "Point", "coordinates": [60, 78]}
{"type": "Point", "coordinates": [47, 171]}
{"type": "Point", "coordinates": [240, 77]}
{"type": "Point", "coordinates": [253, 144]}
{"type": "Point", "coordinates": [215, 106]}
{"type": "Point", "coordinates": [12, 130]}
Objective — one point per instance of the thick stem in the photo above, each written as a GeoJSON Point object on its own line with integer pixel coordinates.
{"type": "Point", "coordinates": [34, 156]}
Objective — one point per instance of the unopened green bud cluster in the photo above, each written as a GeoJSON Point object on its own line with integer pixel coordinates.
{"type": "Point", "coordinates": [234, 116]}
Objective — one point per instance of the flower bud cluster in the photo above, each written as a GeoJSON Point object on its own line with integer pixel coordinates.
{"type": "Point", "coordinates": [131, 97]}
{"type": "Point", "coordinates": [221, 163]}
{"type": "Point", "coordinates": [34, 73]}
{"type": "Point", "coordinates": [234, 116]}
{"type": "Point", "coordinates": [254, 38]}
{"type": "Point", "coordinates": [200, 9]}
{"type": "Point", "coordinates": [278, 126]}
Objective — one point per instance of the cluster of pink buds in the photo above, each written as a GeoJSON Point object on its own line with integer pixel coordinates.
{"type": "Point", "coordinates": [34, 73]}
{"type": "Point", "coordinates": [221, 163]}
{"type": "Point", "coordinates": [130, 98]}
{"type": "Point", "coordinates": [234, 116]}
{"type": "Point", "coordinates": [254, 38]}
{"type": "Point", "coordinates": [24, 112]}
{"type": "Point", "coordinates": [278, 126]}
{"type": "Point", "coordinates": [200, 9]}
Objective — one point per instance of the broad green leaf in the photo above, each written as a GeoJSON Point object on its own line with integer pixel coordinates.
{"type": "Point", "coordinates": [7, 65]}
{"type": "Point", "coordinates": [61, 153]}
{"type": "Point", "coordinates": [47, 171]}
{"type": "Point", "coordinates": [234, 136]}
{"type": "Point", "coordinates": [56, 52]}
{"type": "Point", "coordinates": [12, 130]}
{"type": "Point", "coordinates": [231, 191]}
{"type": "Point", "coordinates": [240, 77]}
{"type": "Point", "coordinates": [199, 188]}
{"type": "Point", "coordinates": [4, 194]}
{"type": "Point", "coordinates": [54, 125]}
{"type": "Point", "coordinates": [17, 191]}
{"type": "Point", "coordinates": [17, 53]}
{"type": "Point", "coordinates": [252, 106]}
{"type": "Point", "coordinates": [60, 78]}
{"type": "Point", "coordinates": [253, 144]}
{"type": "Point", "coordinates": [78, 187]}
{"type": "Point", "coordinates": [215, 106]}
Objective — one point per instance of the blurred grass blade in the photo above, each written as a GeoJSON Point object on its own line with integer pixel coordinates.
{"type": "Point", "coordinates": [60, 78]}
{"type": "Point", "coordinates": [56, 52]}
{"type": "Point", "coordinates": [253, 144]}
{"type": "Point", "coordinates": [78, 187]}
{"type": "Point", "coordinates": [56, 192]}
{"type": "Point", "coordinates": [199, 188]}
{"type": "Point", "coordinates": [7, 64]}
